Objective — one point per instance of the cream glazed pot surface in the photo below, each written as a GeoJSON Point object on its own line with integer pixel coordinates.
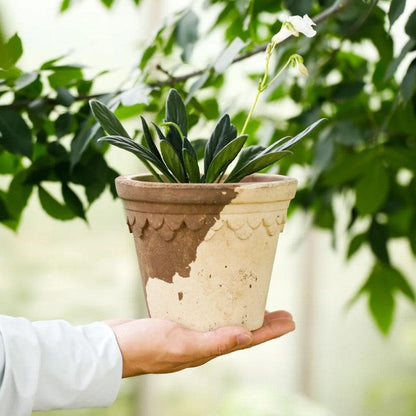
{"type": "Point", "coordinates": [206, 251]}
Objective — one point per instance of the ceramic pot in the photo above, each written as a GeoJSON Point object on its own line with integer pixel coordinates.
{"type": "Point", "coordinates": [206, 251]}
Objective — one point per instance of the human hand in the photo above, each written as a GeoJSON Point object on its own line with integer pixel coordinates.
{"type": "Point", "coordinates": [160, 346]}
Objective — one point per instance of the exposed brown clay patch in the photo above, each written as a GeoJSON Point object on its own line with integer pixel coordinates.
{"type": "Point", "coordinates": [170, 222]}
{"type": "Point", "coordinates": [180, 295]}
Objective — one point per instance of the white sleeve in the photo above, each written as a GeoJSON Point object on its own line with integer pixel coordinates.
{"type": "Point", "coordinates": [53, 365]}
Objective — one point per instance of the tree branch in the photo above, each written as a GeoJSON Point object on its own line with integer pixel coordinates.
{"type": "Point", "coordinates": [171, 80]}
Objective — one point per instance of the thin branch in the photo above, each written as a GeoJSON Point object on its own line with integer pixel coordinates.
{"type": "Point", "coordinates": [171, 80]}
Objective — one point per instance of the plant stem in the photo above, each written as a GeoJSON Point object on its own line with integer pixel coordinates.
{"type": "Point", "coordinates": [263, 84]}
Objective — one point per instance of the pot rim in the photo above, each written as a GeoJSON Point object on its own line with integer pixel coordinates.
{"type": "Point", "coordinates": [146, 180]}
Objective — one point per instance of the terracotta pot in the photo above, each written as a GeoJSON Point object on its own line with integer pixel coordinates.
{"type": "Point", "coordinates": [206, 251]}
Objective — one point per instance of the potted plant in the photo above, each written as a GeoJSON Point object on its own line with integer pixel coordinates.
{"type": "Point", "coordinates": [206, 238]}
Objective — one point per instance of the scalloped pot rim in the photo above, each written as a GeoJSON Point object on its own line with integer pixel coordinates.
{"type": "Point", "coordinates": [206, 251]}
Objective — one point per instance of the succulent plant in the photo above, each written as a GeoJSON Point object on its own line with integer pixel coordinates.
{"type": "Point", "coordinates": [175, 159]}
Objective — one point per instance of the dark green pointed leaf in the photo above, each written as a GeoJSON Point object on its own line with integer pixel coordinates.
{"type": "Point", "coordinates": [64, 97]}
{"type": "Point", "coordinates": [224, 157]}
{"type": "Point", "coordinates": [378, 237]}
{"type": "Point", "coordinates": [256, 164]}
{"type": "Point", "coordinates": [395, 10]}
{"type": "Point", "coordinates": [176, 112]}
{"type": "Point", "coordinates": [108, 121]}
{"type": "Point", "coordinates": [410, 27]}
{"type": "Point", "coordinates": [72, 201]}
{"type": "Point", "coordinates": [408, 84]}
{"type": "Point", "coordinates": [372, 189]}
{"type": "Point", "coordinates": [288, 144]}
{"type": "Point", "coordinates": [143, 153]}
{"type": "Point", "coordinates": [221, 129]}
{"type": "Point", "coordinates": [63, 124]}
{"type": "Point", "coordinates": [54, 208]}
{"type": "Point", "coordinates": [172, 160]}
{"type": "Point", "coordinates": [191, 162]}
{"type": "Point", "coordinates": [15, 135]}
{"type": "Point", "coordinates": [149, 139]}
{"type": "Point", "coordinates": [247, 154]}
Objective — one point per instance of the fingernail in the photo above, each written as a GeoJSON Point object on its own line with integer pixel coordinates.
{"type": "Point", "coordinates": [244, 339]}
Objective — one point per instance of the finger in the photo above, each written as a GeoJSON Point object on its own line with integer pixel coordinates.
{"type": "Point", "coordinates": [270, 316]}
{"type": "Point", "coordinates": [222, 341]}
{"type": "Point", "coordinates": [273, 329]}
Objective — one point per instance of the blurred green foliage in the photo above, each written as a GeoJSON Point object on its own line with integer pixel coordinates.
{"type": "Point", "coordinates": [365, 155]}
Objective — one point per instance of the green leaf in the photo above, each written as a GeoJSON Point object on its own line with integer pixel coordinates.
{"type": "Point", "coordinates": [79, 143]}
{"type": "Point", "coordinates": [144, 154]}
{"type": "Point", "coordinates": [9, 163]}
{"type": "Point", "coordinates": [395, 10]}
{"type": "Point", "coordinates": [399, 282]}
{"type": "Point", "coordinates": [225, 59]}
{"type": "Point", "coordinates": [18, 194]}
{"type": "Point", "coordinates": [187, 34]}
{"type": "Point", "coordinates": [247, 154]}
{"type": "Point", "coordinates": [224, 157]}
{"type": "Point", "coordinates": [64, 5]}
{"type": "Point", "coordinates": [107, 3]}
{"type": "Point", "coordinates": [410, 27]}
{"type": "Point", "coordinates": [355, 244]}
{"type": "Point", "coordinates": [10, 52]}
{"type": "Point", "coordinates": [176, 112]}
{"type": "Point", "coordinates": [149, 139]}
{"type": "Point", "coordinates": [291, 142]}
{"type": "Point", "coordinates": [108, 121]}
{"type": "Point", "coordinates": [147, 55]}
{"type": "Point", "coordinates": [54, 208]}
{"type": "Point", "coordinates": [349, 167]}
{"type": "Point", "coordinates": [64, 97]}
{"type": "Point", "coordinates": [412, 235]}
{"type": "Point", "coordinates": [172, 160]}
{"type": "Point", "coordinates": [256, 164]}
{"type": "Point", "coordinates": [63, 124]}
{"type": "Point", "coordinates": [381, 301]}
{"type": "Point", "coordinates": [372, 189]}
{"type": "Point", "coordinates": [25, 79]}
{"type": "Point", "coordinates": [191, 162]}
{"type": "Point", "coordinates": [72, 201]}
{"type": "Point", "coordinates": [15, 135]}
{"type": "Point", "coordinates": [378, 237]}
{"type": "Point", "coordinates": [408, 84]}
{"type": "Point", "coordinates": [299, 7]}
{"type": "Point", "coordinates": [221, 130]}
{"type": "Point", "coordinates": [392, 68]}
{"type": "Point", "coordinates": [64, 76]}
{"type": "Point", "coordinates": [199, 147]}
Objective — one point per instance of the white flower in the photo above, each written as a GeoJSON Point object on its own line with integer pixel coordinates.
{"type": "Point", "coordinates": [302, 69]}
{"type": "Point", "coordinates": [293, 26]}
{"type": "Point", "coordinates": [297, 61]}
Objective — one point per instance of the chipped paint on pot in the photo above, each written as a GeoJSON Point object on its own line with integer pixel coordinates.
{"type": "Point", "coordinates": [206, 251]}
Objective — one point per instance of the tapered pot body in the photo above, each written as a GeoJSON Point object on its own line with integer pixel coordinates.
{"type": "Point", "coordinates": [206, 251]}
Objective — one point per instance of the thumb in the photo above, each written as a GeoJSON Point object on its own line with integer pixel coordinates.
{"type": "Point", "coordinates": [223, 340]}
